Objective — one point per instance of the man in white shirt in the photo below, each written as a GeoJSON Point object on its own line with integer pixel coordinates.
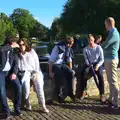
{"type": "Point", "coordinates": [60, 68]}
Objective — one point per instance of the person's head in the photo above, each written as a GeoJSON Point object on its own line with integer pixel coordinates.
{"type": "Point", "coordinates": [98, 39]}
{"type": "Point", "coordinates": [10, 40]}
{"type": "Point", "coordinates": [69, 41]}
{"type": "Point", "coordinates": [91, 39]}
{"type": "Point", "coordinates": [24, 46]}
{"type": "Point", "coordinates": [109, 23]}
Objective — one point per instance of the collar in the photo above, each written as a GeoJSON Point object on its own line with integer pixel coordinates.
{"type": "Point", "coordinates": [111, 30]}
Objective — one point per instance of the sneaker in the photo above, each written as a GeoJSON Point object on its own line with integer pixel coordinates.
{"type": "Point", "coordinates": [114, 106]}
{"type": "Point", "coordinates": [83, 95]}
{"type": "Point", "coordinates": [29, 108]}
{"type": "Point", "coordinates": [7, 116]}
{"type": "Point", "coordinates": [18, 112]}
{"type": "Point", "coordinates": [45, 110]}
{"type": "Point", "coordinates": [102, 99]}
{"type": "Point", "coordinates": [107, 102]}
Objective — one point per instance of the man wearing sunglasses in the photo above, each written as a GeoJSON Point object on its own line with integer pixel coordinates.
{"type": "Point", "coordinates": [8, 72]}
{"type": "Point", "coordinates": [60, 69]}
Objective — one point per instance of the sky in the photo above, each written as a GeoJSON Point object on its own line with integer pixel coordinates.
{"type": "Point", "coordinates": [43, 10]}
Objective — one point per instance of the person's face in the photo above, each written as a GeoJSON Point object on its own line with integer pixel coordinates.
{"type": "Point", "coordinates": [107, 26]}
{"type": "Point", "coordinates": [91, 40]}
{"type": "Point", "coordinates": [22, 46]}
{"type": "Point", "coordinates": [70, 43]}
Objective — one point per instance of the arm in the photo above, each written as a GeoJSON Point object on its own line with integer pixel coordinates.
{"type": "Point", "coordinates": [14, 68]}
{"type": "Point", "coordinates": [52, 60]}
{"type": "Point", "coordinates": [5, 48]}
{"type": "Point", "coordinates": [101, 57]}
{"type": "Point", "coordinates": [85, 57]}
{"type": "Point", "coordinates": [36, 61]}
{"type": "Point", "coordinates": [110, 40]}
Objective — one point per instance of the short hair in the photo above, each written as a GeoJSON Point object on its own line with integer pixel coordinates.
{"type": "Point", "coordinates": [98, 36]}
{"type": "Point", "coordinates": [90, 35]}
{"type": "Point", "coordinates": [10, 39]}
{"type": "Point", "coordinates": [110, 20]}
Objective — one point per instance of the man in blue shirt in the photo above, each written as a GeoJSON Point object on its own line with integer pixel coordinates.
{"type": "Point", "coordinates": [60, 68]}
{"type": "Point", "coordinates": [110, 48]}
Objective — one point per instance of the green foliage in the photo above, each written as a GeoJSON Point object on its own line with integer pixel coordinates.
{"type": "Point", "coordinates": [87, 16]}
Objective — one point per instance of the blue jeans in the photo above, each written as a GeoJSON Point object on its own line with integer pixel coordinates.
{"type": "Point", "coordinates": [17, 92]}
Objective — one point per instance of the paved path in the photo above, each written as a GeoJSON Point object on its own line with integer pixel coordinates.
{"type": "Point", "coordinates": [88, 109]}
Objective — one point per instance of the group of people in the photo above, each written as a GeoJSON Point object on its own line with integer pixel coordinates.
{"type": "Point", "coordinates": [19, 64]}
{"type": "Point", "coordinates": [97, 57]}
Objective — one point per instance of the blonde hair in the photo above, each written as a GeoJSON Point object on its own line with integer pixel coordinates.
{"type": "Point", "coordinates": [110, 21]}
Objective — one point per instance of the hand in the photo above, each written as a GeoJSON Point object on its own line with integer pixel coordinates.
{"type": "Point", "coordinates": [14, 45]}
{"type": "Point", "coordinates": [35, 76]}
{"type": "Point", "coordinates": [51, 74]}
{"type": "Point", "coordinates": [96, 68]}
{"type": "Point", "coordinates": [13, 76]}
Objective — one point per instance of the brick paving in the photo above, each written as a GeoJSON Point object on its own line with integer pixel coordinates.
{"type": "Point", "coordinates": [87, 109]}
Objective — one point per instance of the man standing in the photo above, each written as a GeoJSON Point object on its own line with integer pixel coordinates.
{"type": "Point", "coordinates": [60, 68]}
{"type": "Point", "coordinates": [111, 47]}
{"type": "Point", "coordinates": [8, 72]}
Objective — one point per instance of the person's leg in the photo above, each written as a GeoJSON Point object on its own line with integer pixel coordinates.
{"type": "Point", "coordinates": [68, 73]}
{"type": "Point", "coordinates": [17, 95]}
{"type": "Point", "coordinates": [101, 82]}
{"type": "Point", "coordinates": [59, 81]}
{"type": "Point", "coordinates": [108, 66]}
{"type": "Point", "coordinates": [40, 90]}
{"type": "Point", "coordinates": [26, 89]}
{"type": "Point", "coordinates": [3, 96]}
{"type": "Point", "coordinates": [114, 82]}
{"type": "Point", "coordinates": [83, 82]}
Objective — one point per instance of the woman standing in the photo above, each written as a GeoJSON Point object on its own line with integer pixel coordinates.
{"type": "Point", "coordinates": [29, 67]}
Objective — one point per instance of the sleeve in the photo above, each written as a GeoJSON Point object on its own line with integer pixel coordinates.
{"type": "Point", "coordinates": [110, 40]}
{"type": "Point", "coordinates": [85, 57]}
{"type": "Point", "coordinates": [101, 60]}
{"type": "Point", "coordinates": [36, 61]}
{"type": "Point", "coordinates": [15, 65]}
{"type": "Point", "coordinates": [5, 48]}
{"type": "Point", "coordinates": [54, 54]}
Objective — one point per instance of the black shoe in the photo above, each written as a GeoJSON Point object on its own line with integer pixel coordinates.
{"type": "Point", "coordinates": [114, 106]}
{"type": "Point", "coordinates": [18, 112]}
{"type": "Point", "coordinates": [7, 116]}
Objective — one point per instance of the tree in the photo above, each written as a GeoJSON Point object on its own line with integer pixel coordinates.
{"type": "Point", "coordinates": [85, 16]}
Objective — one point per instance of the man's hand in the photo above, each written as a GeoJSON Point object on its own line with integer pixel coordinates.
{"type": "Point", "coordinates": [13, 76]}
{"type": "Point", "coordinates": [51, 74]}
{"type": "Point", "coordinates": [96, 68]}
{"type": "Point", "coordinates": [14, 45]}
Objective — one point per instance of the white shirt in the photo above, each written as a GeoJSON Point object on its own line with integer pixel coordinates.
{"type": "Point", "coordinates": [29, 62]}
{"type": "Point", "coordinates": [7, 65]}
{"type": "Point", "coordinates": [58, 58]}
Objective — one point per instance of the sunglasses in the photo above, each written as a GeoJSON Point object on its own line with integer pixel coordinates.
{"type": "Point", "coordinates": [21, 45]}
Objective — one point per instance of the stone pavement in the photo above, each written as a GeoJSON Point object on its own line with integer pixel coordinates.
{"type": "Point", "coordinates": [87, 109]}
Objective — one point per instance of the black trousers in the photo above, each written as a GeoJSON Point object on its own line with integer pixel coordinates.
{"type": "Point", "coordinates": [63, 80]}
{"type": "Point", "coordinates": [99, 74]}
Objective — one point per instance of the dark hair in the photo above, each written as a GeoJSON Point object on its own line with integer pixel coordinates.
{"type": "Point", "coordinates": [90, 35]}
{"type": "Point", "coordinates": [28, 47]}
{"type": "Point", "coordinates": [9, 40]}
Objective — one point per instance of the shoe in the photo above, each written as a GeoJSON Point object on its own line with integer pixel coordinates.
{"type": "Point", "coordinates": [102, 99]}
{"type": "Point", "coordinates": [107, 102]}
{"type": "Point", "coordinates": [29, 108]}
{"type": "Point", "coordinates": [18, 112]}
{"type": "Point", "coordinates": [114, 106]}
{"type": "Point", "coordinates": [45, 110]}
{"type": "Point", "coordinates": [83, 95]}
{"type": "Point", "coordinates": [7, 116]}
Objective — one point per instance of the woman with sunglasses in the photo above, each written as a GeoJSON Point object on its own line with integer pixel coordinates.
{"type": "Point", "coordinates": [29, 66]}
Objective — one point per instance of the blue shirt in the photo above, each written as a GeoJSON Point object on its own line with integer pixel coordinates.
{"type": "Point", "coordinates": [95, 55]}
